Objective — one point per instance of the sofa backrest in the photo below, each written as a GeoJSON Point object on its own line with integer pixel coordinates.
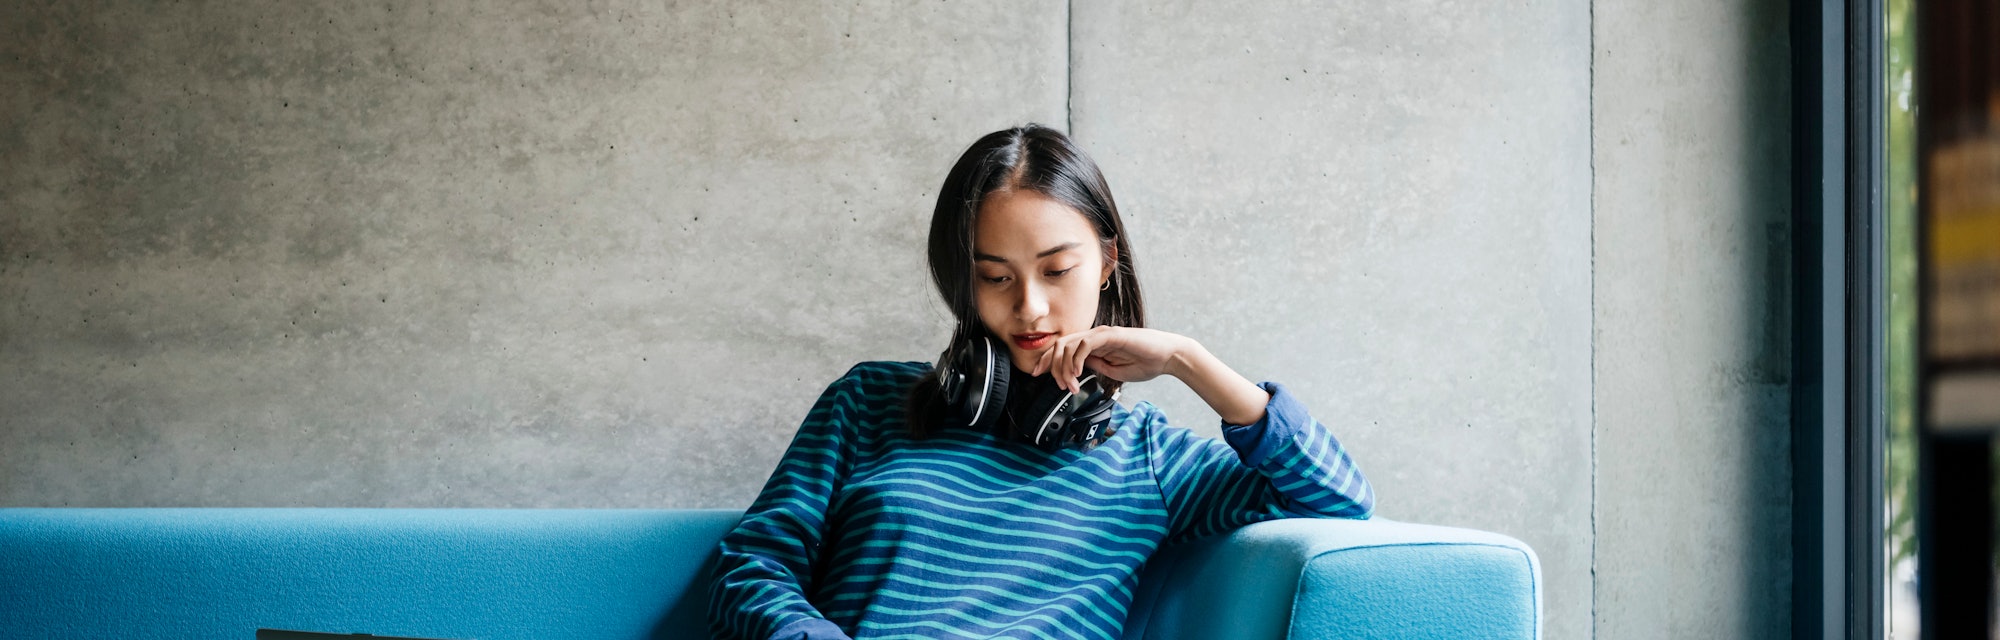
{"type": "Point", "coordinates": [639, 574]}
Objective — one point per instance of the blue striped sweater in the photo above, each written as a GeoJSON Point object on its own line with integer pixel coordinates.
{"type": "Point", "coordinates": [866, 532]}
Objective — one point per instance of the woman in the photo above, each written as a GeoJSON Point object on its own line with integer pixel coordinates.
{"type": "Point", "coordinates": [1003, 492]}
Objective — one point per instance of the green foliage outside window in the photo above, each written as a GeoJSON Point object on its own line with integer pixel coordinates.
{"type": "Point", "coordinates": [1902, 201]}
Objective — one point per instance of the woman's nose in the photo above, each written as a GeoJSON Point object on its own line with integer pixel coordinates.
{"type": "Point", "coordinates": [1034, 302]}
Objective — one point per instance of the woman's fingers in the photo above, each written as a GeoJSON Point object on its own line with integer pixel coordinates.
{"type": "Point", "coordinates": [1066, 361]}
{"type": "Point", "coordinates": [1052, 359]}
{"type": "Point", "coordinates": [1059, 358]}
{"type": "Point", "coordinates": [1067, 358]}
{"type": "Point", "coordinates": [1087, 349]}
{"type": "Point", "coordinates": [1082, 351]}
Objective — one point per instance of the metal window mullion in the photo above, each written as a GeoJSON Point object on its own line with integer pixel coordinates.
{"type": "Point", "coordinates": [1819, 322]}
{"type": "Point", "coordinates": [1865, 309]}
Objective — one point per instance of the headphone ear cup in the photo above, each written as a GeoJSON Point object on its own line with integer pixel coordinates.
{"type": "Point", "coordinates": [1092, 415]}
{"type": "Point", "coordinates": [997, 387]}
{"type": "Point", "coordinates": [1093, 420]}
{"type": "Point", "coordinates": [1096, 398]}
{"type": "Point", "coordinates": [1036, 419]}
{"type": "Point", "coordinates": [1054, 418]}
{"type": "Point", "coordinates": [976, 389]}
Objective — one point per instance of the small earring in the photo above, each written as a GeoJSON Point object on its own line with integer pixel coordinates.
{"type": "Point", "coordinates": [1106, 286]}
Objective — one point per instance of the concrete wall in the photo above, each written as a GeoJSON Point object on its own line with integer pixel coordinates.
{"type": "Point", "coordinates": [469, 254]}
{"type": "Point", "coordinates": [1690, 113]}
{"type": "Point", "coordinates": [604, 254]}
{"type": "Point", "coordinates": [1386, 206]}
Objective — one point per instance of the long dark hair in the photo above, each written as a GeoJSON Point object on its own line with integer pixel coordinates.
{"type": "Point", "coordinates": [1027, 158]}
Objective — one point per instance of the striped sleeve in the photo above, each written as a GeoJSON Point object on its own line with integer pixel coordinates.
{"type": "Point", "coordinates": [765, 568]}
{"type": "Point", "coordinates": [1285, 465]}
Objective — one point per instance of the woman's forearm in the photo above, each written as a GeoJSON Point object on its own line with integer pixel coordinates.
{"type": "Point", "coordinates": [1233, 397]}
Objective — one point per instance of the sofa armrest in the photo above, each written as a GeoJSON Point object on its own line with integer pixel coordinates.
{"type": "Point", "coordinates": [1308, 578]}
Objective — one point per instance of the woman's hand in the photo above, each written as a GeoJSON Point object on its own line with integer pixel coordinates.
{"type": "Point", "coordinates": [1122, 353]}
{"type": "Point", "coordinates": [1131, 354]}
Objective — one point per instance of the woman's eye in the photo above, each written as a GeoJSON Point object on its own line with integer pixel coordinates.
{"type": "Point", "coordinates": [995, 279]}
{"type": "Point", "coordinates": [1058, 274]}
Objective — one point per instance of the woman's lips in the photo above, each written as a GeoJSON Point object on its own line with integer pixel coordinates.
{"type": "Point", "coordinates": [1032, 341]}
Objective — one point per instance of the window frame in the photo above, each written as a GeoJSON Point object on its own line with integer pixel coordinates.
{"type": "Point", "coordinates": [1839, 337]}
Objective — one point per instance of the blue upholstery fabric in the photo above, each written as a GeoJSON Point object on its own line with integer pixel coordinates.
{"type": "Point", "coordinates": [1327, 578]}
{"type": "Point", "coordinates": [223, 573]}
{"type": "Point", "coordinates": [615, 574]}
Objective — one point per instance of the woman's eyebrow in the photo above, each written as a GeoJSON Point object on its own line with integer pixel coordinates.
{"type": "Point", "coordinates": [984, 257]}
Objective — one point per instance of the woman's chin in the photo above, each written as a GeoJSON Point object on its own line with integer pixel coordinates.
{"type": "Point", "coordinates": [1024, 362]}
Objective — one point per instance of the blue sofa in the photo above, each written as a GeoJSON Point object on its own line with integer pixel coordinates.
{"type": "Point", "coordinates": [629, 574]}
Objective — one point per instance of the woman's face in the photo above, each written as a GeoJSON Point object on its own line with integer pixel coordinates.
{"type": "Point", "coordinates": [1037, 265]}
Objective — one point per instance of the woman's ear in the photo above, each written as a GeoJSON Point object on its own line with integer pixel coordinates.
{"type": "Point", "coordinates": [1110, 264]}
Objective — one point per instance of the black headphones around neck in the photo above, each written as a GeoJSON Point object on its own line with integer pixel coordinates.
{"type": "Point", "coordinates": [974, 379]}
